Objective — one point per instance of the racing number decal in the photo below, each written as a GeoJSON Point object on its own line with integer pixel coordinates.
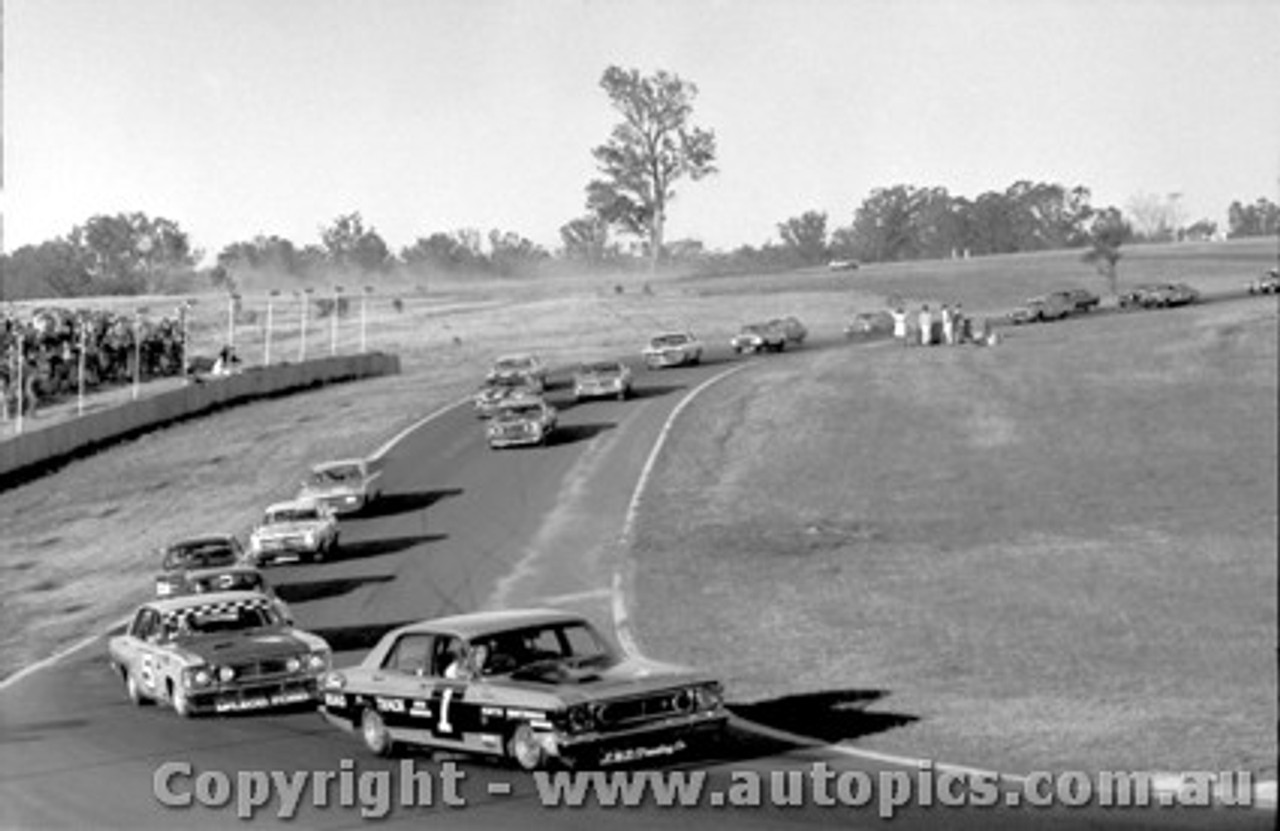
{"type": "Point", "coordinates": [446, 696]}
{"type": "Point", "coordinates": [147, 670]}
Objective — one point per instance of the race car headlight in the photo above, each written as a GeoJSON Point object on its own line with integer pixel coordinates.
{"type": "Point", "coordinates": [579, 719]}
{"type": "Point", "coordinates": [226, 674]}
{"type": "Point", "coordinates": [200, 677]}
{"type": "Point", "coordinates": [293, 664]}
{"type": "Point", "coordinates": [334, 681]}
{"type": "Point", "coordinates": [309, 538]}
{"type": "Point", "coordinates": [709, 696]}
{"type": "Point", "coordinates": [318, 661]}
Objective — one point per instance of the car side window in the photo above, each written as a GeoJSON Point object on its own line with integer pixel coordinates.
{"type": "Point", "coordinates": [146, 626]}
{"type": "Point", "coordinates": [411, 654]}
{"type": "Point", "coordinates": [138, 627]}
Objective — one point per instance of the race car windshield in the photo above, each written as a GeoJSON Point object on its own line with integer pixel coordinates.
{"type": "Point", "coordinates": [522, 412]}
{"type": "Point", "coordinates": [333, 475]}
{"type": "Point", "coordinates": [514, 364]}
{"type": "Point", "coordinates": [532, 651]}
{"type": "Point", "coordinates": [293, 515]}
{"type": "Point", "coordinates": [670, 340]}
{"type": "Point", "coordinates": [214, 621]}
{"type": "Point", "coordinates": [200, 555]}
{"type": "Point", "coordinates": [231, 581]}
{"type": "Point", "coordinates": [602, 368]}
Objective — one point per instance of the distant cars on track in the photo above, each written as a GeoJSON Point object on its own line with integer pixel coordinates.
{"type": "Point", "coordinates": [185, 562]}
{"type": "Point", "coordinates": [532, 686]}
{"type": "Point", "coordinates": [1159, 295]}
{"type": "Point", "coordinates": [521, 421]}
{"type": "Point", "coordinates": [759, 337]}
{"type": "Point", "coordinates": [523, 366]}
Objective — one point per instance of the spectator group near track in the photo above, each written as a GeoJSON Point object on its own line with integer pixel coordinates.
{"type": "Point", "coordinates": [948, 326]}
{"type": "Point", "coordinates": [51, 341]}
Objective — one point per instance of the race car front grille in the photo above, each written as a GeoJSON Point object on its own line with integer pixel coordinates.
{"type": "Point", "coordinates": [262, 669]}
{"type": "Point", "coordinates": [631, 711]}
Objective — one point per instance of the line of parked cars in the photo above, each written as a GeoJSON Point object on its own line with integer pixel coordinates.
{"type": "Point", "coordinates": [1055, 305]}
{"type": "Point", "coordinates": [1159, 295]}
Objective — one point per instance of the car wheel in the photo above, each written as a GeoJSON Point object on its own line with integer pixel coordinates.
{"type": "Point", "coordinates": [134, 690]}
{"type": "Point", "coordinates": [375, 733]}
{"type": "Point", "coordinates": [181, 701]}
{"type": "Point", "coordinates": [524, 749]}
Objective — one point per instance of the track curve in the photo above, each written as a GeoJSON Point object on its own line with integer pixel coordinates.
{"type": "Point", "coordinates": [462, 528]}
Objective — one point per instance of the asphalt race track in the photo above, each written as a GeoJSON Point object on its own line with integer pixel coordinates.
{"type": "Point", "coordinates": [462, 527]}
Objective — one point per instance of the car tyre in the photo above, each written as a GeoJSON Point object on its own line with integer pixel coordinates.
{"type": "Point", "coordinates": [374, 732]}
{"type": "Point", "coordinates": [181, 702]}
{"type": "Point", "coordinates": [524, 749]}
{"type": "Point", "coordinates": [134, 690]}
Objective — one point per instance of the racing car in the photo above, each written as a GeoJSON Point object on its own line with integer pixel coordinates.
{"type": "Point", "coordinates": [294, 530]}
{"type": "Point", "coordinates": [346, 486]}
{"type": "Point", "coordinates": [533, 686]}
{"type": "Point", "coordinates": [224, 652]}
{"type": "Point", "coordinates": [185, 561]}
{"type": "Point", "coordinates": [672, 349]}
{"type": "Point", "coordinates": [602, 379]}
{"type": "Point", "coordinates": [521, 421]}
{"type": "Point", "coordinates": [524, 365]}
{"type": "Point", "coordinates": [758, 337]}
{"type": "Point", "coordinates": [494, 392]}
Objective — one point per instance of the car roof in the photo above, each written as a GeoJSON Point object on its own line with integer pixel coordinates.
{"type": "Point", "coordinates": [291, 505]}
{"type": "Point", "coordinates": [169, 605]}
{"type": "Point", "coordinates": [337, 463]}
{"type": "Point", "coordinates": [197, 542]}
{"type": "Point", "coordinates": [515, 356]}
{"type": "Point", "coordinates": [476, 624]}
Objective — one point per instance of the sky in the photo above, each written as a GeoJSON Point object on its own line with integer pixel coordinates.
{"type": "Point", "coordinates": [236, 118]}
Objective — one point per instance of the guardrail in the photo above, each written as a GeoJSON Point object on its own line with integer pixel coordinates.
{"type": "Point", "coordinates": [28, 453]}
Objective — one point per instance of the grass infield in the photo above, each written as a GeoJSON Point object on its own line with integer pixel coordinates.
{"type": "Point", "coordinates": [1056, 553]}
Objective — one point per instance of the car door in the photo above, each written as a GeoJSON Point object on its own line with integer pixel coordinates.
{"type": "Point", "coordinates": [400, 689]}
{"type": "Point", "coordinates": [141, 642]}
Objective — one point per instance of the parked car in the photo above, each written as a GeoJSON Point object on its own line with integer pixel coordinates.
{"type": "Point", "coordinates": [672, 349]}
{"type": "Point", "coordinates": [759, 337]}
{"type": "Point", "coordinates": [522, 365]}
{"type": "Point", "coordinates": [843, 265]}
{"type": "Point", "coordinates": [1159, 295]}
{"type": "Point", "coordinates": [1039, 309]}
{"type": "Point", "coordinates": [346, 486]}
{"type": "Point", "coordinates": [521, 421]}
{"type": "Point", "coordinates": [792, 329]}
{"type": "Point", "coordinates": [865, 325]}
{"type": "Point", "coordinates": [217, 653]}
{"type": "Point", "coordinates": [301, 529]}
{"type": "Point", "coordinates": [493, 393]}
{"type": "Point", "coordinates": [1268, 283]}
{"type": "Point", "coordinates": [534, 686]}
{"type": "Point", "coordinates": [1078, 300]}
{"type": "Point", "coordinates": [183, 558]}
{"type": "Point", "coordinates": [602, 379]}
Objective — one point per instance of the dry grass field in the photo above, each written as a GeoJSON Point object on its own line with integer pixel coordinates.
{"type": "Point", "coordinates": [1057, 552]}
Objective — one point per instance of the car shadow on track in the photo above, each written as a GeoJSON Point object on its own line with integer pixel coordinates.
{"type": "Point", "coordinates": [403, 503]}
{"type": "Point", "coordinates": [305, 591]}
{"type": "Point", "coordinates": [359, 638]}
{"type": "Point", "coordinates": [643, 391]}
{"type": "Point", "coordinates": [826, 717]}
{"type": "Point", "coordinates": [570, 433]}
{"type": "Point", "coordinates": [376, 548]}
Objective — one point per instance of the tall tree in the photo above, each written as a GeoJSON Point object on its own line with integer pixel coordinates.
{"type": "Point", "coordinates": [1107, 233]}
{"type": "Point", "coordinates": [586, 240]}
{"type": "Point", "coordinates": [805, 237]}
{"type": "Point", "coordinates": [652, 148]}
{"type": "Point", "coordinates": [351, 246]}
{"type": "Point", "coordinates": [127, 253]}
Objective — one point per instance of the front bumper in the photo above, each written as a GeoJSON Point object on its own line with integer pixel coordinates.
{"type": "Point", "coordinates": [666, 358]}
{"type": "Point", "coordinates": [655, 739]}
{"type": "Point", "coordinates": [343, 504]}
{"type": "Point", "coordinates": [516, 439]}
{"type": "Point", "coordinates": [255, 696]}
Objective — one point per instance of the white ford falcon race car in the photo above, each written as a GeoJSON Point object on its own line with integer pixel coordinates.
{"type": "Point", "coordinates": [672, 349]}
{"type": "Point", "coordinates": [217, 653]}
{"type": "Point", "coordinates": [346, 486]}
{"type": "Point", "coordinates": [296, 530]}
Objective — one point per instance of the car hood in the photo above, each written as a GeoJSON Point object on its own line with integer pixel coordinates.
{"type": "Point", "coordinates": [630, 677]}
{"type": "Point", "coordinates": [233, 648]}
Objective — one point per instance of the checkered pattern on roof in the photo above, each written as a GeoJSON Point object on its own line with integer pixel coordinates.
{"type": "Point", "coordinates": [226, 607]}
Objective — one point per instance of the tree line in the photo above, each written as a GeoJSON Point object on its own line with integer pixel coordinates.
{"type": "Point", "coordinates": [653, 147]}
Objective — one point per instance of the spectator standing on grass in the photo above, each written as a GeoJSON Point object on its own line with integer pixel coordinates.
{"type": "Point", "coordinates": [926, 326]}
{"type": "Point", "coordinates": [948, 325]}
{"type": "Point", "coordinates": [899, 316]}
